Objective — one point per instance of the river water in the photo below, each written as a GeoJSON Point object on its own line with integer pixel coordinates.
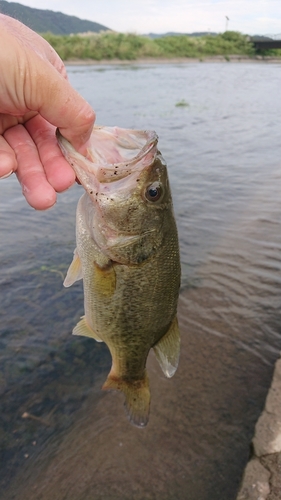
{"type": "Point", "coordinates": [223, 149]}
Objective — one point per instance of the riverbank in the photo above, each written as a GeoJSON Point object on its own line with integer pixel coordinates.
{"type": "Point", "coordinates": [174, 60]}
{"type": "Point", "coordinates": [132, 47]}
{"type": "Point", "coordinates": [129, 46]}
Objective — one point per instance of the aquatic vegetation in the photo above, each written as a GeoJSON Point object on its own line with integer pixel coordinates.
{"type": "Point", "coordinates": [182, 104]}
{"type": "Point", "coordinates": [129, 46]}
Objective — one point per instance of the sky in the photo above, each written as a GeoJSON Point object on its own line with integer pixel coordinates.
{"type": "Point", "coordinates": [184, 16]}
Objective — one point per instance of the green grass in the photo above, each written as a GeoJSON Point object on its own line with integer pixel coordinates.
{"type": "Point", "coordinates": [103, 46]}
{"type": "Point", "coordinates": [122, 46]}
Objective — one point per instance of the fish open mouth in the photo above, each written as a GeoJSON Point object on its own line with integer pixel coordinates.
{"type": "Point", "coordinates": [112, 154]}
{"type": "Point", "coordinates": [114, 146]}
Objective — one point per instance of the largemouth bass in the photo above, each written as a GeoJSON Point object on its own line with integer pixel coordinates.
{"type": "Point", "coordinates": [128, 257]}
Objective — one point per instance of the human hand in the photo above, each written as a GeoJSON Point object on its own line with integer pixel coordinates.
{"type": "Point", "coordinates": [35, 98]}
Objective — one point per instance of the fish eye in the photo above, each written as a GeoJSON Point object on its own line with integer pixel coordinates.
{"type": "Point", "coordinates": [153, 192]}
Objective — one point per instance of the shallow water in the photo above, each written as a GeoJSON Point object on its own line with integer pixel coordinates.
{"type": "Point", "coordinates": [223, 152]}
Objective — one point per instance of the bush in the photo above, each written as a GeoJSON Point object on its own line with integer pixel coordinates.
{"type": "Point", "coordinates": [110, 45]}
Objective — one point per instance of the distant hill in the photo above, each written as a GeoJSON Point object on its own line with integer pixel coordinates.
{"type": "Point", "coordinates": [43, 21]}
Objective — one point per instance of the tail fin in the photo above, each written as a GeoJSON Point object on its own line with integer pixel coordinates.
{"type": "Point", "coordinates": [137, 396]}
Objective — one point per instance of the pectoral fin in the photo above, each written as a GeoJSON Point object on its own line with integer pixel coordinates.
{"type": "Point", "coordinates": [167, 350]}
{"type": "Point", "coordinates": [82, 328]}
{"type": "Point", "coordinates": [74, 272]}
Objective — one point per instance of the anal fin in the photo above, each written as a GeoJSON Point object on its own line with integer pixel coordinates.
{"type": "Point", "coordinates": [167, 350]}
{"type": "Point", "coordinates": [82, 328]}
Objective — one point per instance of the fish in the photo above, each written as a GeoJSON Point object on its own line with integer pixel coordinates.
{"type": "Point", "coordinates": [127, 253]}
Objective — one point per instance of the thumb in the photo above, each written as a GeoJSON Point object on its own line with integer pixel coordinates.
{"type": "Point", "coordinates": [52, 96]}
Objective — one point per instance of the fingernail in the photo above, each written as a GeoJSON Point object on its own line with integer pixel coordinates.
{"type": "Point", "coordinates": [7, 175]}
